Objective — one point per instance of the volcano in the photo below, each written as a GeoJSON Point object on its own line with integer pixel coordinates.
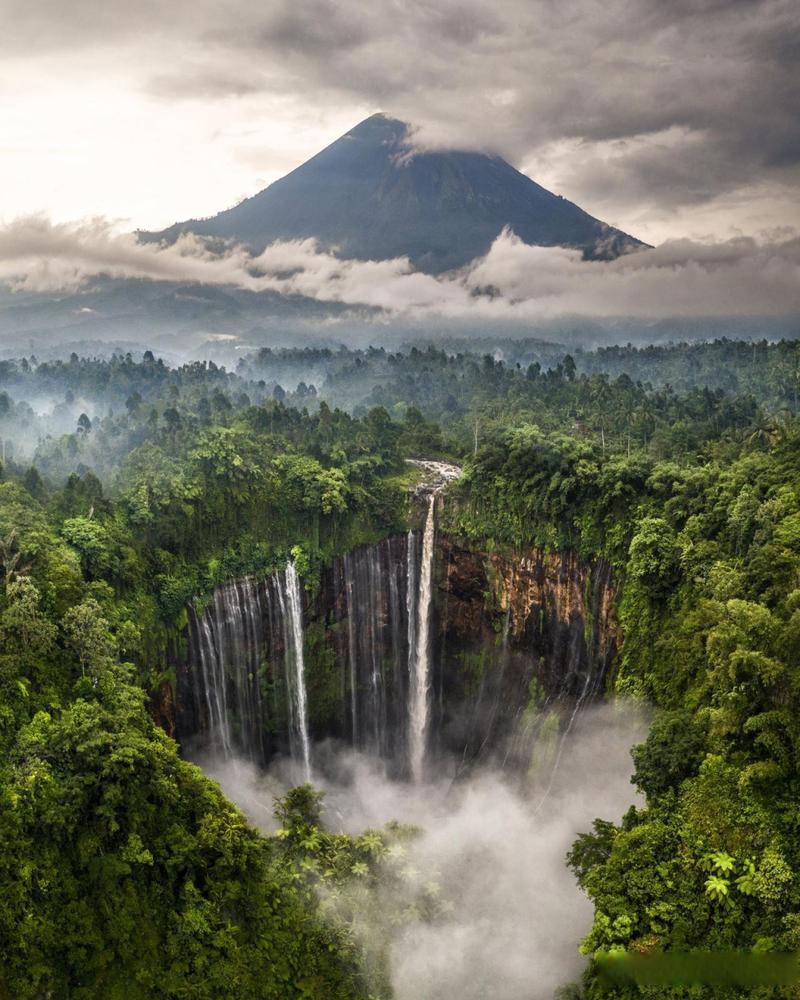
{"type": "Point", "coordinates": [371, 196]}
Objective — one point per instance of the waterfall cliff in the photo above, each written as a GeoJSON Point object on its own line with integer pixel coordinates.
{"type": "Point", "coordinates": [417, 646]}
{"type": "Point", "coordinates": [292, 617]}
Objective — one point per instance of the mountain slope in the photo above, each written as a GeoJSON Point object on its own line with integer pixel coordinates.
{"type": "Point", "coordinates": [366, 196]}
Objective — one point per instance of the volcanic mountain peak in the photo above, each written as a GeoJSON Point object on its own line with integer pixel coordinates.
{"type": "Point", "coordinates": [372, 197]}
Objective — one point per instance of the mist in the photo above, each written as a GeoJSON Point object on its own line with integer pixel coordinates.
{"type": "Point", "coordinates": [494, 844]}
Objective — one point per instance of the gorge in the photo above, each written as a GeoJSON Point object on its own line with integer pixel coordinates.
{"type": "Point", "coordinates": [445, 685]}
{"type": "Point", "coordinates": [414, 649]}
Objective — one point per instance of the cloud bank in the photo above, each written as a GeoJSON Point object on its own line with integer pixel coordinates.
{"type": "Point", "coordinates": [514, 281]}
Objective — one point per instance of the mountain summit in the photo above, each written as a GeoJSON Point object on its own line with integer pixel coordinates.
{"type": "Point", "coordinates": [370, 195]}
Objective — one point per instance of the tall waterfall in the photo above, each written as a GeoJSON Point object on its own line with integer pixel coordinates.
{"type": "Point", "coordinates": [246, 622]}
{"type": "Point", "coordinates": [412, 595]}
{"type": "Point", "coordinates": [375, 677]}
{"type": "Point", "coordinates": [296, 667]}
{"type": "Point", "coordinates": [419, 662]}
{"type": "Point", "coordinates": [387, 603]}
{"type": "Point", "coordinates": [352, 655]}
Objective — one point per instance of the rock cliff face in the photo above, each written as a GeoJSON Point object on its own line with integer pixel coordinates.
{"type": "Point", "coordinates": [162, 708]}
{"type": "Point", "coordinates": [524, 638]}
{"type": "Point", "coordinates": [517, 644]}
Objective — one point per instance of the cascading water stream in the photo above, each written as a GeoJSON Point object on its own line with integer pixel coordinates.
{"type": "Point", "coordinates": [412, 595]}
{"type": "Point", "coordinates": [295, 666]}
{"type": "Point", "coordinates": [589, 681]}
{"type": "Point", "coordinates": [213, 685]}
{"type": "Point", "coordinates": [370, 601]}
{"type": "Point", "coordinates": [246, 622]}
{"type": "Point", "coordinates": [352, 648]}
{"type": "Point", "coordinates": [228, 646]}
{"type": "Point", "coordinates": [420, 662]}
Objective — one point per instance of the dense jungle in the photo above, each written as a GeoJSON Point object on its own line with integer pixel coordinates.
{"type": "Point", "coordinates": [492, 593]}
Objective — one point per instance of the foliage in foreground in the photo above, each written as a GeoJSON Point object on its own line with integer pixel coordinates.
{"type": "Point", "coordinates": [124, 872]}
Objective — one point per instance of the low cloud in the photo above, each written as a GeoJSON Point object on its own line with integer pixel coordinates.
{"type": "Point", "coordinates": [37, 255]}
{"type": "Point", "coordinates": [679, 278]}
{"type": "Point", "coordinates": [514, 281]}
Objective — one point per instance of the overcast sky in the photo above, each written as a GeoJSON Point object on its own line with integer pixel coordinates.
{"type": "Point", "coordinates": [667, 119]}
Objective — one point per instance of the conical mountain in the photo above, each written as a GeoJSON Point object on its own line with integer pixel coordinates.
{"type": "Point", "coordinates": [371, 198]}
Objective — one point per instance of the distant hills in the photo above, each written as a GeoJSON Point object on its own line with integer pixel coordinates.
{"type": "Point", "coordinates": [370, 196]}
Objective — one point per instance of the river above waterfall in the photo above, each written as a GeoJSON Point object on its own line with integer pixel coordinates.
{"type": "Point", "coordinates": [435, 475]}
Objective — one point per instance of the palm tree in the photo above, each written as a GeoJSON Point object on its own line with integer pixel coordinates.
{"type": "Point", "coordinates": [599, 394]}
{"type": "Point", "coordinates": [763, 434]}
{"type": "Point", "coordinates": [11, 559]}
{"type": "Point", "coordinates": [786, 426]}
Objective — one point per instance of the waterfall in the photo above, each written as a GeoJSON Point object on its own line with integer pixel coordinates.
{"type": "Point", "coordinates": [387, 600]}
{"type": "Point", "coordinates": [411, 603]}
{"type": "Point", "coordinates": [374, 649]}
{"type": "Point", "coordinates": [397, 627]}
{"type": "Point", "coordinates": [412, 595]}
{"type": "Point", "coordinates": [295, 664]}
{"type": "Point", "coordinates": [588, 688]}
{"type": "Point", "coordinates": [373, 581]}
{"type": "Point", "coordinates": [244, 692]}
{"type": "Point", "coordinates": [228, 646]}
{"type": "Point", "coordinates": [420, 662]}
{"type": "Point", "coordinates": [352, 647]}
{"type": "Point", "coordinates": [213, 686]}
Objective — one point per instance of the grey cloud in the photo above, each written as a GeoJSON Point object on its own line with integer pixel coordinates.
{"type": "Point", "coordinates": [40, 256]}
{"type": "Point", "coordinates": [313, 29]}
{"type": "Point", "coordinates": [679, 278]}
{"type": "Point", "coordinates": [684, 167]}
{"type": "Point", "coordinates": [515, 78]}
{"type": "Point", "coordinates": [531, 74]}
